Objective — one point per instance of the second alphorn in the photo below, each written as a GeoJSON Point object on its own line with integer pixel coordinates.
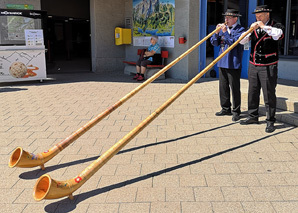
{"type": "Point", "coordinates": [48, 188]}
{"type": "Point", "coordinates": [23, 159]}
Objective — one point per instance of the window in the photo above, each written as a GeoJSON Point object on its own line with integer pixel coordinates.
{"type": "Point", "coordinates": [215, 9]}
{"type": "Point", "coordinates": [286, 12]}
{"type": "Point", "coordinates": [214, 12]}
{"type": "Point", "coordinates": [293, 29]}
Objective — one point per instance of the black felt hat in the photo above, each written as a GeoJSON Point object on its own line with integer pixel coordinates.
{"type": "Point", "coordinates": [231, 12]}
{"type": "Point", "coordinates": [262, 9]}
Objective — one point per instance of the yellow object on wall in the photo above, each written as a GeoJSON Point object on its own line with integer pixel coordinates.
{"type": "Point", "coordinates": [122, 36]}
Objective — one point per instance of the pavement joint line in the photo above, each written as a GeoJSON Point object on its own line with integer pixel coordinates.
{"type": "Point", "coordinates": [190, 161]}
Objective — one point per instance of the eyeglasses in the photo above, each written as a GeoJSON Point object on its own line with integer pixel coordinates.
{"type": "Point", "coordinates": [228, 18]}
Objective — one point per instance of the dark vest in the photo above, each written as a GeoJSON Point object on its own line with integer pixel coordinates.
{"type": "Point", "coordinates": [264, 49]}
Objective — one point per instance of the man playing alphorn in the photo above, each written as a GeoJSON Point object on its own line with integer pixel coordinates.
{"type": "Point", "coordinates": [262, 71]}
{"type": "Point", "coordinates": [230, 64]}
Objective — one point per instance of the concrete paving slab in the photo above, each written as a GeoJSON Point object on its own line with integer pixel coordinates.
{"type": "Point", "coordinates": [187, 160]}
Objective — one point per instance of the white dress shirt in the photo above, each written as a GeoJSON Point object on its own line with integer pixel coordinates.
{"type": "Point", "coordinates": [229, 30]}
{"type": "Point", "coordinates": [271, 31]}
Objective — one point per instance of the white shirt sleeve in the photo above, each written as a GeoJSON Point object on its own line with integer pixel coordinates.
{"type": "Point", "coordinates": [273, 31]}
{"type": "Point", "coordinates": [245, 39]}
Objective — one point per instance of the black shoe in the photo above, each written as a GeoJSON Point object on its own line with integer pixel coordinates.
{"type": "Point", "coordinates": [270, 127]}
{"type": "Point", "coordinates": [236, 117]}
{"type": "Point", "coordinates": [223, 112]}
{"type": "Point", "coordinates": [249, 121]}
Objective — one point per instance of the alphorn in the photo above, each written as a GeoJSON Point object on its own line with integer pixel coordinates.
{"type": "Point", "coordinates": [48, 188]}
{"type": "Point", "coordinates": [23, 159]}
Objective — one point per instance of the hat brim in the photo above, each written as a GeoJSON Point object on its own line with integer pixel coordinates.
{"type": "Point", "coordinates": [262, 11]}
{"type": "Point", "coordinates": [231, 14]}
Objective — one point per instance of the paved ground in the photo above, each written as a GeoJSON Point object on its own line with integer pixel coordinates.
{"type": "Point", "coordinates": [187, 160]}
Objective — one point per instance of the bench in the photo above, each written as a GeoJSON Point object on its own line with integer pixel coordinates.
{"type": "Point", "coordinates": [151, 69]}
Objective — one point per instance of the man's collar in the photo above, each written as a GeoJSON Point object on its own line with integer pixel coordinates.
{"type": "Point", "coordinates": [267, 22]}
{"type": "Point", "coordinates": [234, 25]}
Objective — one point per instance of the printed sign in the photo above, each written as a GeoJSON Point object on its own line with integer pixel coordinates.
{"type": "Point", "coordinates": [20, 6]}
{"type": "Point", "coordinates": [22, 65]}
{"type": "Point", "coordinates": [163, 41]}
{"type": "Point", "coordinates": [34, 37]}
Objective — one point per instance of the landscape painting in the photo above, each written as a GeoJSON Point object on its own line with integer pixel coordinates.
{"type": "Point", "coordinates": [154, 17]}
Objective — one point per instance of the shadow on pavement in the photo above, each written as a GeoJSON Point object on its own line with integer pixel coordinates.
{"type": "Point", "coordinates": [10, 89]}
{"type": "Point", "coordinates": [285, 82]}
{"type": "Point", "coordinates": [67, 205]}
{"type": "Point", "coordinates": [35, 174]}
{"type": "Point", "coordinates": [116, 76]}
{"type": "Point", "coordinates": [38, 172]}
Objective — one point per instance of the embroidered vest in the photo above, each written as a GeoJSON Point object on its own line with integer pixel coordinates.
{"type": "Point", "coordinates": [264, 49]}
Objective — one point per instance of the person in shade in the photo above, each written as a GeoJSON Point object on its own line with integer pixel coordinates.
{"type": "Point", "coordinates": [262, 71]}
{"type": "Point", "coordinates": [230, 64]}
{"type": "Point", "coordinates": [148, 57]}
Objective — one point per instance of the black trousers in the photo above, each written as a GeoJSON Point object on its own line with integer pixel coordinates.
{"type": "Point", "coordinates": [264, 77]}
{"type": "Point", "coordinates": [230, 78]}
{"type": "Point", "coordinates": [143, 62]}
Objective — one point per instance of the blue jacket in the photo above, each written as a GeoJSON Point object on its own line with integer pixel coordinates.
{"type": "Point", "coordinates": [232, 60]}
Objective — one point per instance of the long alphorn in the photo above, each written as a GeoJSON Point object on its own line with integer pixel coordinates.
{"type": "Point", "coordinates": [23, 159]}
{"type": "Point", "coordinates": [48, 188]}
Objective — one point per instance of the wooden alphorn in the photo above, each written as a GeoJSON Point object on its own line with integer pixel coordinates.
{"type": "Point", "coordinates": [24, 159]}
{"type": "Point", "coordinates": [48, 188]}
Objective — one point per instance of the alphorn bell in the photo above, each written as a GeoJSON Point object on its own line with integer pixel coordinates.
{"type": "Point", "coordinates": [48, 188]}
{"type": "Point", "coordinates": [23, 159]}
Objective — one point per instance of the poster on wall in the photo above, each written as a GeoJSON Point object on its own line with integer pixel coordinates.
{"type": "Point", "coordinates": [154, 17]}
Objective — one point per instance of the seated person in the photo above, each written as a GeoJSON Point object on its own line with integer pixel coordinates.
{"type": "Point", "coordinates": [147, 58]}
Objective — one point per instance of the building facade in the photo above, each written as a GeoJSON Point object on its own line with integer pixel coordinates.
{"type": "Point", "coordinates": [194, 19]}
